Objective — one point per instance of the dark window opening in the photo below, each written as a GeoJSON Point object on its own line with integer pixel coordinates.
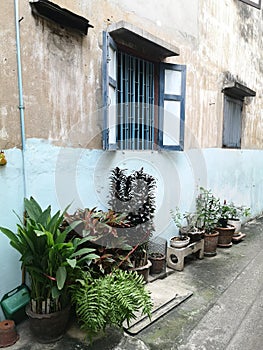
{"type": "Point", "coordinates": [135, 99]}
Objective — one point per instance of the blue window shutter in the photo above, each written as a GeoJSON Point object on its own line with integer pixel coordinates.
{"type": "Point", "coordinates": [232, 122]}
{"type": "Point", "coordinates": [171, 106]}
{"type": "Point", "coordinates": [109, 74]}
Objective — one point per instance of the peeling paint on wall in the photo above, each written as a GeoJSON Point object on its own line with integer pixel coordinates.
{"type": "Point", "coordinates": [62, 81]}
{"type": "Point", "coordinates": [62, 71]}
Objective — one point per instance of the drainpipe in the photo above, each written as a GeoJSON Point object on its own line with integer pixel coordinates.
{"type": "Point", "coordinates": [20, 91]}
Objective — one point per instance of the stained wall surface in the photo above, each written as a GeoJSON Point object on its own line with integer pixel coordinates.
{"type": "Point", "coordinates": [61, 70]}
{"type": "Point", "coordinates": [63, 161]}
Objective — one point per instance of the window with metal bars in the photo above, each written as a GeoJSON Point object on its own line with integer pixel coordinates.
{"type": "Point", "coordinates": [144, 101]}
{"type": "Point", "coordinates": [135, 100]}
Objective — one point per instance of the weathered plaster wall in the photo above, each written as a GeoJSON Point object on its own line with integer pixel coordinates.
{"type": "Point", "coordinates": [9, 116]}
{"type": "Point", "coordinates": [62, 70]}
{"type": "Point", "coordinates": [229, 40]}
{"type": "Point", "coordinates": [60, 176]}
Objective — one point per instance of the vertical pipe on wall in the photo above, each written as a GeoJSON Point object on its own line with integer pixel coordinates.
{"type": "Point", "coordinates": [20, 91]}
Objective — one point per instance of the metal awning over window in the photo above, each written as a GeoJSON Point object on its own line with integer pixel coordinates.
{"type": "Point", "coordinates": [59, 15]}
{"type": "Point", "coordinates": [138, 40]}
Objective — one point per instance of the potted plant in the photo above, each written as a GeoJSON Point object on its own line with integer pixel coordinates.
{"type": "Point", "coordinates": [109, 300]}
{"type": "Point", "coordinates": [182, 239]}
{"type": "Point", "coordinates": [108, 293]}
{"type": "Point", "coordinates": [225, 229]}
{"type": "Point", "coordinates": [236, 214]}
{"type": "Point", "coordinates": [133, 196]}
{"type": "Point", "coordinates": [208, 214]}
{"type": "Point", "coordinates": [51, 262]}
{"type": "Point", "coordinates": [192, 230]}
{"type": "Point", "coordinates": [101, 231]}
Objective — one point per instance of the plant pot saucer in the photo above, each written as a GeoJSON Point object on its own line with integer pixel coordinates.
{"type": "Point", "coordinates": [228, 245]}
{"type": "Point", "coordinates": [236, 234]}
{"type": "Point", "coordinates": [210, 254]}
{"type": "Point", "coordinates": [238, 238]}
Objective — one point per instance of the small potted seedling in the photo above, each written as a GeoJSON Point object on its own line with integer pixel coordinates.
{"type": "Point", "coordinates": [182, 239]}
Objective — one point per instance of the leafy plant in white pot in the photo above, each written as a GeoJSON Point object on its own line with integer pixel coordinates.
{"type": "Point", "coordinates": [236, 214]}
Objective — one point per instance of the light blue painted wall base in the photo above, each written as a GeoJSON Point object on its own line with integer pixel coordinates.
{"type": "Point", "coordinates": [12, 193]}
{"type": "Point", "coordinates": [59, 176]}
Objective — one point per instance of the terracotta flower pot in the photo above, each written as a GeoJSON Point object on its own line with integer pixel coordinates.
{"type": "Point", "coordinates": [225, 236]}
{"type": "Point", "coordinates": [8, 334]}
{"type": "Point", "coordinates": [196, 236]}
{"type": "Point", "coordinates": [143, 270]}
{"type": "Point", "coordinates": [210, 243]}
{"type": "Point", "coordinates": [158, 263]}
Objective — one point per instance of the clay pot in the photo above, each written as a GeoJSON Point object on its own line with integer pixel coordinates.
{"type": "Point", "coordinates": [225, 236]}
{"type": "Point", "coordinates": [210, 243]}
{"type": "Point", "coordinates": [158, 263]}
{"type": "Point", "coordinates": [195, 236]}
{"type": "Point", "coordinates": [8, 334]}
{"type": "Point", "coordinates": [143, 270]}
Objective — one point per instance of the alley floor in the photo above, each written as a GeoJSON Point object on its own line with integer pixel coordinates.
{"type": "Point", "coordinates": [224, 312]}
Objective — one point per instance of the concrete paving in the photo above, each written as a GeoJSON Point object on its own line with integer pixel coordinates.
{"type": "Point", "coordinates": [225, 310]}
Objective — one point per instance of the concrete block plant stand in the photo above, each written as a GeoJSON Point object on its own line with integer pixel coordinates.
{"type": "Point", "coordinates": [175, 256]}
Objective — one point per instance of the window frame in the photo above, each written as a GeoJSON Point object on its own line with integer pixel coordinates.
{"type": "Point", "coordinates": [239, 102]}
{"type": "Point", "coordinates": [107, 81]}
{"type": "Point", "coordinates": [159, 98]}
{"type": "Point", "coordinates": [171, 97]}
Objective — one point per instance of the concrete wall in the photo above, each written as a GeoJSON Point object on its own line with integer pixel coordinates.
{"type": "Point", "coordinates": [12, 194]}
{"type": "Point", "coordinates": [62, 83]}
{"type": "Point", "coordinates": [62, 70]}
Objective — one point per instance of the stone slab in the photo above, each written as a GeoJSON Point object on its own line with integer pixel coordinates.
{"type": "Point", "coordinates": [165, 296]}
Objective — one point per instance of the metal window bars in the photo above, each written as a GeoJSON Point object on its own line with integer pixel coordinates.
{"type": "Point", "coordinates": [135, 87]}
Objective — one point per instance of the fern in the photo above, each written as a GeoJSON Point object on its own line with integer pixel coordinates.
{"type": "Point", "coordinates": [109, 300]}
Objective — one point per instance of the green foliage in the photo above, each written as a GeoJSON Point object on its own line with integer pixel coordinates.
{"type": "Point", "coordinates": [212, 213]}
{"type": "Point", "coordinates": [186, 222]}
{"type": "Point", "coordinates": [46, 254]}
{"type": "Point", "coordinates": [208, 210]}
{"type": "Point", "coordinates": [134, 196]}
{"type": "Point", "coordinates": [119, 235]}
{"type": "Point", "coordinates": [101, 231]}
{"type": "Point", "coordinates": [232, 211]}
{"type": "Point", "coordinates": [109, 300]}
{"type": "Point", "coordinates": [177, 217]}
